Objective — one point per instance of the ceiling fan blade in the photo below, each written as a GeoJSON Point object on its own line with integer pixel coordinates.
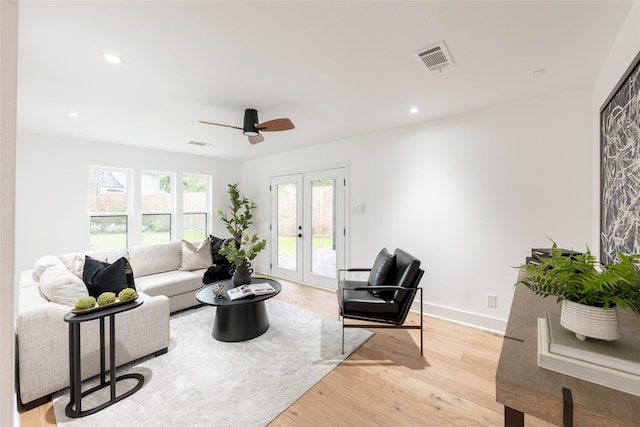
{"type": "Point", "coordinates": [220, 124]}
{"type": "Point", "coordinates": [256, 139]}
{"type": "Point", "coordinates": [276, 125]}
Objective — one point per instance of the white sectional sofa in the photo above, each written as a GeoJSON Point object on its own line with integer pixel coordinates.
{"type": "Point", "coordinates": [165, 281]}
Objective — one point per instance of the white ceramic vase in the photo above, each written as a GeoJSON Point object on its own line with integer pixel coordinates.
{"type": "Point", "coordinates": [588, 321]}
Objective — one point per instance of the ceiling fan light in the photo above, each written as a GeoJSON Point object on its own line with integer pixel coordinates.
{"type": "Point", "coordinates": [250, 122]}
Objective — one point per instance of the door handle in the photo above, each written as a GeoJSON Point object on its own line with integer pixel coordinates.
{"type": "Point", "coordinates": [299, 234]}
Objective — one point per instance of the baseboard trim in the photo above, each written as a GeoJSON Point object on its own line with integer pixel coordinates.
{"type": "Point", "coordinates": [474, 320]}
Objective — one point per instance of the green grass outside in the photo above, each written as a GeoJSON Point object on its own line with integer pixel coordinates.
{"type": "Point", "coordinates": [287, 244]}
{"type": "Point", "coordinates": [119, 240]}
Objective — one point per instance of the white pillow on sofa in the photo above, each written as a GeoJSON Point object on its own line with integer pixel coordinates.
{"type": "Point", "coordinates": [60, 285]}
{"type": "Point", "coordinates": [195, 258]}
{"type": "Point", "coordinates": [45, 262]}
{"type": "Point", "coordinates": [77, 266]}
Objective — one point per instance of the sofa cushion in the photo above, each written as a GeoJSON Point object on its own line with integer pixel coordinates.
{"type": "Point", "coordinates": [45, 262]}
{"type": "Point", "coordinates": [382, 273]}
{"type": "Point", "coordinates": [156, 258]}
{"type": "Point", "coordinates": [61, 286]}
{"type": "Point", "coordinates": [102, 277]}
{"type": "Point", "coordinates": [196, 257]}
{"type": "Point", "coordinates": [170, 283]}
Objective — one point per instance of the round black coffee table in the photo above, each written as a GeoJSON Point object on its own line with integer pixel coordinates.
{"type": "Point", "coordinates": [242, 319]}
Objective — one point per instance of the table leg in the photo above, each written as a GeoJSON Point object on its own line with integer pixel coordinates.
{"type": "Point", "coordinates": [75, 374]}
{"type": "Point", "coordinates": [513, 418]}
{"type": "Point", "coordinates": [102, 353]}
{"type": "Point", "coordinates": [112, 355]}
{"type": "Point", "coordinates": [240, 322]}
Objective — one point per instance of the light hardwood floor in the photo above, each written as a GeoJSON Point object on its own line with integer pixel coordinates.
{"type": "Point", "coordinates": [386, 382]}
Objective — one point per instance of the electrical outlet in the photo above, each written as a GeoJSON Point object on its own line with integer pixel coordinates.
{"type": "Point", "coordinates": [492, 301]}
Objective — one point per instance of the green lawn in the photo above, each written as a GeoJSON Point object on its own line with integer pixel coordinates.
{"type": "Point", "coordinates": [119, 240]}
{"type": "Point", "coordinates": [287, 244]}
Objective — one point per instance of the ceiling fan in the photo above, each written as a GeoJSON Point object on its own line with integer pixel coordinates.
{"type": "Point", "coordinates": [252, 128]}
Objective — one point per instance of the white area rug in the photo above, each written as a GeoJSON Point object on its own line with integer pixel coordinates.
{"type": "Point", "coordinates": [204, 382]}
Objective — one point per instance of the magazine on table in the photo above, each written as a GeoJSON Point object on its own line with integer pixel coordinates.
{"type": "Point", "coordinates": [253, 289]}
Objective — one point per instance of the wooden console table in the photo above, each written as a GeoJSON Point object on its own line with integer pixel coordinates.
{"type": "Point", "coordinates": [523, 387]}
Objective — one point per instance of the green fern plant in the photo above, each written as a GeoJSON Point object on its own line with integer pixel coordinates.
{"type": "Point", "coordinates": [246, 250]}
{"type": "Point", "coordinates": [580, 278]}
{"type": "Point", "coordinates": [240, 217]}
{"type": "Point", "coordinates": [242, 247]}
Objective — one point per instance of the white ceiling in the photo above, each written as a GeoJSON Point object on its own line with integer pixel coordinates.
{"type": "Point", "coordinates": [337, 69]}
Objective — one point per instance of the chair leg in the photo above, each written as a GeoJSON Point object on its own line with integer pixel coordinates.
{"type": "Point", "coordinates": [342, 334]}
{"type": "Point", "coordinates": [421, 320]}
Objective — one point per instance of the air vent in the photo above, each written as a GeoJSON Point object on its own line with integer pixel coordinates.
{"type": "Point", "coordinates": [436, 57]}
{"type": "Point", "coordinates": [198, 143]}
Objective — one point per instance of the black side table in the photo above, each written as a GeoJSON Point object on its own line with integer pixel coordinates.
{"type": "Point", "coordinates": [74, 408]}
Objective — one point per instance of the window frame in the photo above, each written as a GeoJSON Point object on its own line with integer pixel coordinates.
{"type": "Point", "coordinates": [102, 214]}
{"type": "Point", "coordinates": [172, 204]}
{"type": "Point", "coordinates": [208, 184]}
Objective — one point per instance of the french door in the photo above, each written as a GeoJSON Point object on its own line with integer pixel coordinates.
{"type": "Point", "coordinates": [307, 226]}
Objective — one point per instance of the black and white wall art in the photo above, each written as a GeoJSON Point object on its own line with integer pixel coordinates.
{"type": "Point", "coordinates": [620, 167]}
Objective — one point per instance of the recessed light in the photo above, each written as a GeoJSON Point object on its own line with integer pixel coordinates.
{"type": "Point", "coordinates": [114, 59]}
{"type": "Point", "coordinates": [73, 114]}
{"type": "Point", "coordinates": [414, 110]}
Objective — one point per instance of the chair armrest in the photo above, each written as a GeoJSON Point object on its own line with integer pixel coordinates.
{"type": "Point", "coordinates": [371, 288]}
{"type": "Point", "coordinates": [343, 271]}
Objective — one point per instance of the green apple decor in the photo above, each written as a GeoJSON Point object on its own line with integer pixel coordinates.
{"type": "Point", "coordinates": [85, 303]}
{"type": "Point", "coordinates": [127, 294]}
{"type": "Point", "coordinates": [106, 298]}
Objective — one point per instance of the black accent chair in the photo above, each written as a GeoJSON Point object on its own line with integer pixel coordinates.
{"type": "Point", "coordinates": [386, 297]}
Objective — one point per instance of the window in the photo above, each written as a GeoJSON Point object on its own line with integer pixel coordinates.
{"type": "Point", "coordinates": [157, 207]}
{"type": "Point", "coordinates": [195, 207]}
{"type": "Point", "coordinates": [108, 208]}
{"type": "Point", "coordinates": [119, 218]}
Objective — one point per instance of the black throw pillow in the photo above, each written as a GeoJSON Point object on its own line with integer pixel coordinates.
{"type": "Point", "coordinates": [217, 272]}
{"type": "Point", "coordinates": [100, 276]}
{"type": "Point", "coordinates": [382, 273]}
{"type": "Point", "coordinates": [216, 244]}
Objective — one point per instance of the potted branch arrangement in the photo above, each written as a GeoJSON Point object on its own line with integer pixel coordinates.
{"type": "Point", "coordinates": [590, 292]}
{"type": "Point", "coordinates": [243, 248]}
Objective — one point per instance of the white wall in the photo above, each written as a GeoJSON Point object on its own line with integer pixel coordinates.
{"type": "Point", "coordinates": [8, 75]}
{"type": "Point", "coordinates": [469, 195]}
{"type": "Point", "coordinates": [52, 188]}
{"type": "Point", "coordinates": [621, 54]}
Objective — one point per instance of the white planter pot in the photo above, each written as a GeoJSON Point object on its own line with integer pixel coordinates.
{"type": "Point", "coordinates": [587, 321]}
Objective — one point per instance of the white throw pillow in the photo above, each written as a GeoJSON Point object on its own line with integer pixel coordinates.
{"type": "Point", "coordinates": [77, 266]}
{"type": "Point", "coordinates": [195, 258]}
{"type": "Point", "coordinates": [45, 262]}
{"type": "Point", "coordinates": [60, 285]}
